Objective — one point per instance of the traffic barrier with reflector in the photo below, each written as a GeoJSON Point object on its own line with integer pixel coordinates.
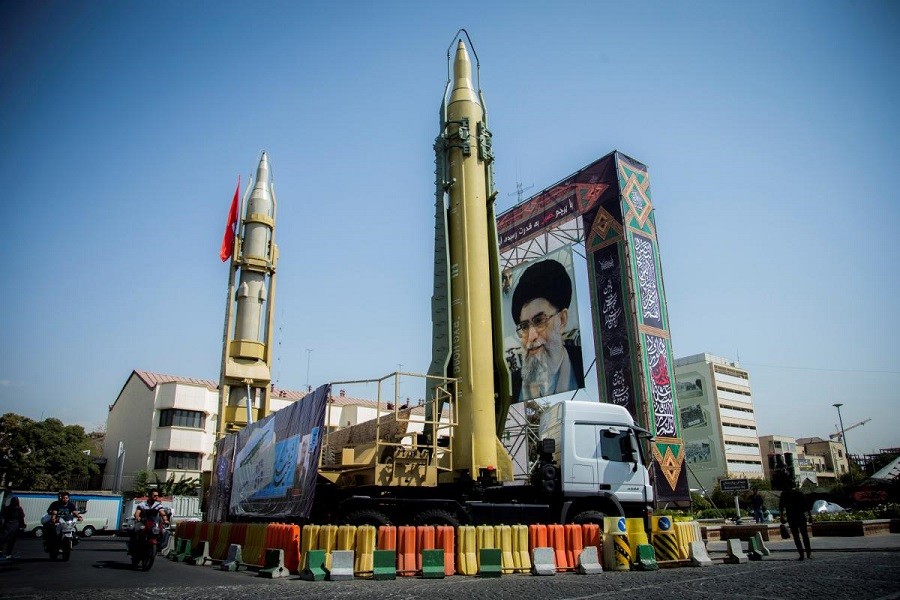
{"type": "Point", "coordinates": [665, 541]}
{"type": "Point", "coordinates": [616, 549]}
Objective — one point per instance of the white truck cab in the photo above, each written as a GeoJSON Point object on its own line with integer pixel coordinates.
{"type": "Point", "coordinates": [597, 450]}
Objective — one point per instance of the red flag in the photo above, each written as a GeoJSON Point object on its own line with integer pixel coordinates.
{"type": "Point", "coordinates": [228, 241]}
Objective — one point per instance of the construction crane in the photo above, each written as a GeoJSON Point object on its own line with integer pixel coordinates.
{"type": "Point", "coordinates": [838, 435]}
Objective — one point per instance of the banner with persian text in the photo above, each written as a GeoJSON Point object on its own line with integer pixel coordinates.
{"type": "Point", "coordinates": [269, 468]}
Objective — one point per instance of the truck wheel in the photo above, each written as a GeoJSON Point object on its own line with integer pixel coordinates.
{"type": "Point", "coordinates": [367, 517]}
{"type": "Point", "coordinates": [88, 531]}
{"type": "Point", "coordinates": [38, 531]}
{"type": "Point", "coordinates": [436, 516]}
{"type": "Point", "coordinates": [589, 516]}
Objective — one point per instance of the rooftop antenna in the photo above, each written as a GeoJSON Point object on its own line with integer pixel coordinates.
{"type": "Point", "coordinates": [520, 191]}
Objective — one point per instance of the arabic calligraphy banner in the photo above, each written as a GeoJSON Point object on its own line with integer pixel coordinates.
{"type": "Point", "coordinates": [563, 201]}
{"type": "Point", "coordinates": [613, 344]}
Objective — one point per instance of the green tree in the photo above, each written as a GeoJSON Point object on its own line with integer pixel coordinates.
{"type": "Point", "coordinates": [42, 455]}
{"type": "Point", "coordinates": [147, 480]}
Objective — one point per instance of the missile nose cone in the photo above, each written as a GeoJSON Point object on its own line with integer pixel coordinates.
{"type": "Point", "coordinates": [462, 76]}
{"type": "Point", "coordinates": [262, 171]}
{"type": "Point", "coordinates": [462, 68]}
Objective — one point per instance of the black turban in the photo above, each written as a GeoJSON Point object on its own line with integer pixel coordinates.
{"type": "Point", "coordinates": [546, 279]}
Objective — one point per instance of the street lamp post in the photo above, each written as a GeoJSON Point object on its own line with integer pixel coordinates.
{"type": "Point", "coordinates": [838, 406]}
{"type": "Point", "coordinates": [308, 353]}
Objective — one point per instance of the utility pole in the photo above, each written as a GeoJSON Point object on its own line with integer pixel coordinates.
{"type": "Point", "coordinates": [838, 406]}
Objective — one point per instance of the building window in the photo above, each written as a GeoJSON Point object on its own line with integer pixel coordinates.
{"type": "Point", "coordinates": [173, 417]}
{"type": "Point", "coordinates": [185, 461]}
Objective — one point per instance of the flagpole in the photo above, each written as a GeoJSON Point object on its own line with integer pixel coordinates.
{"type": "Point", "coordinates": [225, 390]}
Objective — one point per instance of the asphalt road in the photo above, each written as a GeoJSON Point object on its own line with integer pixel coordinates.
{"type": "Point", "coordinates": [100, 570]}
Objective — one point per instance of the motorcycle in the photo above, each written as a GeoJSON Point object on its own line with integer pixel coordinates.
{"type": "Point", "coordinates": [60, 535]}
{"type": "Point", "coordinates": [145, 542]}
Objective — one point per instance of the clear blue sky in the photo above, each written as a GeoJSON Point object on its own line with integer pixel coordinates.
{"type": "Point", "coordinates": [770, 129]}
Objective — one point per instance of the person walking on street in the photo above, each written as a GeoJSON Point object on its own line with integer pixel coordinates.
{"type": "Point", "coordinates": [13, 521]}
{"type": "Point", "coordinates": [794, 510]}
{"type": "Point", "coordinates": [756, 505]}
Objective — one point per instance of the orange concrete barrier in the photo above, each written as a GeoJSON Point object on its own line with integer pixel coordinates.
{"type": "Point", "coordinates": [444, 538]}
{"type": "Point", "coordinates": [537, 537]}
{"type": "Point", "coordinates": [591, 536]}
{"type": "Point", "coordinates": [387, 537]}
{"type": "Point", "coordinates": [238, 534]}
{"type": "Point", "coordinates": [574, 544]}
{"type": "Point", "coordinates": [406, 551]}
{"type": "Point", "coordinates": [424, 541]}
{"type": "Point", "coordinates": [557, 539]}
{"type": "Point", "coordinates": [282, 536]}
{"type": "Point", "coordinates": [201, 534]}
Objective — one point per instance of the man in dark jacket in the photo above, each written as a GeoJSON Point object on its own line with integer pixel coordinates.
{"type": "Point", "coordinates": [794, 510]}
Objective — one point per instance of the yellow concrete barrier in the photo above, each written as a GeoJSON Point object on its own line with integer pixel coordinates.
{"type": "Point", "coordinates": [365, 550]}
{"type": "Point", "coordinates": [467, 561]}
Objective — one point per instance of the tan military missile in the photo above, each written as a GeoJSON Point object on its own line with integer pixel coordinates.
{"type": "Point", "coordinates": [464, 175]}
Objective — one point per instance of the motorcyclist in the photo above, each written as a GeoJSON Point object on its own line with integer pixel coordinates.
{"type": "Point", "coordinates": [61, 506]}
{"type": "Point", "coordinates": [150, 508]}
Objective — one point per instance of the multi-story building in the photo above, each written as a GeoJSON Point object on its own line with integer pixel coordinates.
{"type": "Point", "coordinates": [833, 457]}
{"type": "Point", "coordinates": [805, 468]}
{"type": "Point", "coordinates": [166, 424]}
{"type": "Point", "coordinates": [718, 424]}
